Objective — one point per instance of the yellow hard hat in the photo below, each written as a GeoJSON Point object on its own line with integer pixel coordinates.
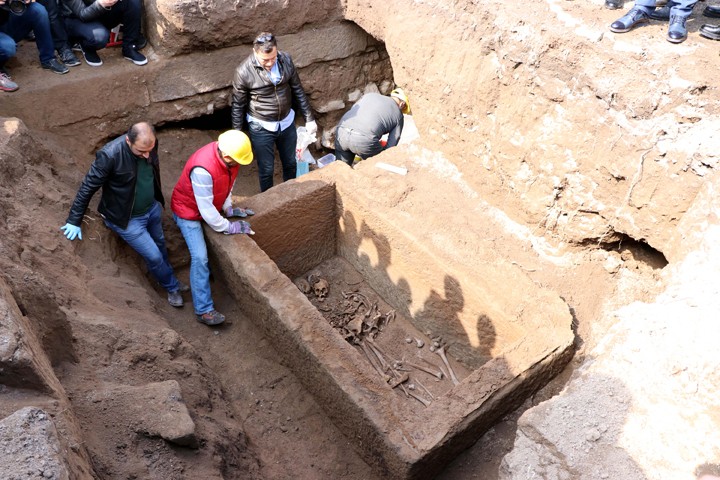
{"type": "Point", "coordinates": [398, 93]}
{"type": "Point", "coordinates": [236, 145]}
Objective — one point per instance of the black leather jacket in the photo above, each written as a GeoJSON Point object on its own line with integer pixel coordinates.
{"type": "Point", "coordinates": [115, 170]}
{"type": "Point", "coordinates": [255, 94]}
{"type": "Point", "coordinates": [85, 10]}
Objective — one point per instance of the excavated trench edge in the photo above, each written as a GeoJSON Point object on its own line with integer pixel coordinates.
{"type": "Point", "coordinates": [392, 439]}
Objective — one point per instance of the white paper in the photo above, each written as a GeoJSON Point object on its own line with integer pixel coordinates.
{"type": "Point", "coordinates": [392, 168]}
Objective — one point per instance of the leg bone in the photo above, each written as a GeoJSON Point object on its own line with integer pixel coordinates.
{"type": "Point", "coordinates": [432, 372]}
{"type": "Point", "coordinates": [441, 351]}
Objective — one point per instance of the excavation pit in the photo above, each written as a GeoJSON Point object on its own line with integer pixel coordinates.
{"type": "Point", "coordinates": [391, 294]}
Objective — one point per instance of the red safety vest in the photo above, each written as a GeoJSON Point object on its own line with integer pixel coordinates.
{"type": "Point", "coordinates": [183, 202]}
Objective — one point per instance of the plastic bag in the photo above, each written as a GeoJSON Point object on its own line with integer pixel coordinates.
{"type": "Point", "coordinates": [303, 157]}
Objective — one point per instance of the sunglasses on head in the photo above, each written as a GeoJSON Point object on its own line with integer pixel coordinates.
{"type": "Point", "coordinates": [264, 38]}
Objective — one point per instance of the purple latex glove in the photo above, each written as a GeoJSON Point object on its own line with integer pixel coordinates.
{"type": "Point", "coordinates": [239, 227]}
{"type": "Point", "coordinates": [238, 212]}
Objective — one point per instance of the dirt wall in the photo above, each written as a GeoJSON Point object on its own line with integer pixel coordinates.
{"type": "Point", "coordinates": [186, 26]}
{"type": "Point", "coordinates": [550, 118]}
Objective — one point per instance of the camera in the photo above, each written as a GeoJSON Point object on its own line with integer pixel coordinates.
{"type": "Point", "coordinates": [15, 6]}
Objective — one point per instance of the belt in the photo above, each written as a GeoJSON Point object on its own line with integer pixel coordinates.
{"type": "Point", "coordinates": [356, 132]}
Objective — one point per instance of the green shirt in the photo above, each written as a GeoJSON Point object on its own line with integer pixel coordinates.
{"type": "Point", "coordinates": [144, 188]}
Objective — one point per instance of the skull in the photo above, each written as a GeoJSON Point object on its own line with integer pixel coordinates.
{"type": "Point", "coordinates": [320, 287]}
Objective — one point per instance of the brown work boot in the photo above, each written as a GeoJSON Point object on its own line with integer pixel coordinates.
{"type": "Point", "coordinates": [211, 318]}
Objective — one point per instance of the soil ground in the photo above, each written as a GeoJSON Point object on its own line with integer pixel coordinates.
{"type": "Point", "coordinates": [287, 432]}
{"type": "Point", "coordinates": [232, 377]}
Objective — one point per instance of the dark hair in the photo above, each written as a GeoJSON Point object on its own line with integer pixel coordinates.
{"type": "Point", "coordinates": [265, 41]}
{"type": "Point", "coordinates": [139, 128]}
{"type": "Point", "coordinates": [707, 469]}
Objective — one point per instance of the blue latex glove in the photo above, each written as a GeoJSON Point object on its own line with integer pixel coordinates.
{"type": "Point", "coordinates": [238, 212]}
{"type": "Point", "coordinates": [71, 231]}
{"type": "Point", "coordinates": [240, 226]}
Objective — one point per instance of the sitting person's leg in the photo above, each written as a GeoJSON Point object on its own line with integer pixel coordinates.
{"type": "Point", "coordinates": [59, 35]}
{"type": "Point", "coordinates": [637, 15]}
{"type": "Point", "coordinates": [129, 13]}
{"type": "Point", "coordinates": [679, 13]}
{"type": "Point", "coordinates": [7, 47]}
{"type": "Point", "coordinates": [7, 51]}
{"type": "Point", "coordinates": [35, 18]}
{"type": "Point", "coordinates": [92, 36]}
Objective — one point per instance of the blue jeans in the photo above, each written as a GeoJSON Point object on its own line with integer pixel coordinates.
{"type": "Point", "coordinates": [192, 231]}
{"type": "Point", "coordinates": [145, 235]}
{"type": "Point", "coordinates": [263, 145]}
{"type": "Point", "coordinates": [17, 27]}
{"type": "Point", "coordinates": [95, 34]}
{"type": "Point", "coordinates": [677, 7]}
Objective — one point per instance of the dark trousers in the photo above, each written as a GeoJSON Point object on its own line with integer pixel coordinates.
{"type": "Point", "coordinates": [57, 27]}
{"type": "Point", "coordinates": [95, 34]}
{"type": "Point", "coordinates": [343, 155]}
{"type": "Point", "coordinates": [349, 142]}
{"type": "Point", "coordinates": [263, 145]}
{"type": "Point", "coordinates": [17, 27]}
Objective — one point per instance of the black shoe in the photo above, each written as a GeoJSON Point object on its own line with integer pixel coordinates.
{"type": "Point", "coordinates": [635, 16]}
{"type": "Point", "coordinates": [211, 318]}
{"type": "Point", "coordinates": [30, 37]}
{"type": "Point", "coordinates": [91, 57]}
{"type": "Point", "coordinates": [614, 4]}
{"type": "Point", "coordinates": [710, 31]}
{"type": "Point", "coordinates": [677, 31]}
{"type": "Point", "coordinates": [55, 66]}
{"type": "Point", "coordinates": [712, 12]}
{"type": "Point", "coordinates": [68, 57]}
{"type": "Point", "coordinates": [660, 13]}
{"type": "Point", "coordinates": [134, 56]}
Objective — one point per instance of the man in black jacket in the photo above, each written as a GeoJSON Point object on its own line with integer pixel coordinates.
{"type": "Point", "coordinates": [128, 171]}
{"type": "Point", "coordinates": [265, 89]}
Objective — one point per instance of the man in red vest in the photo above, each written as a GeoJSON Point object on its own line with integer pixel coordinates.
{"type": "Point", "coordinates": [202, 192]}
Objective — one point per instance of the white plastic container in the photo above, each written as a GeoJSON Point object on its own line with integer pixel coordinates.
{"type": "Point", "coordinates": [326, 160]}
